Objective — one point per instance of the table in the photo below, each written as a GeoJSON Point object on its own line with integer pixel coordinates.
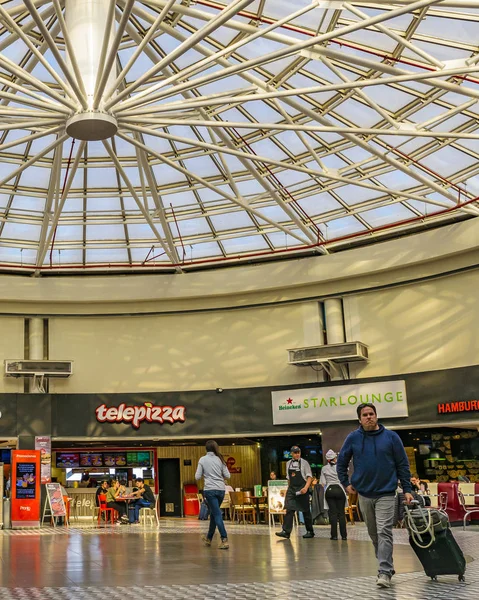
{"type": "Point", "coordinates": [257, 501]}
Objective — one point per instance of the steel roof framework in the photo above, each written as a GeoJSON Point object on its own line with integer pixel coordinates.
{"type": "Point", "coordinates": [247, 130]}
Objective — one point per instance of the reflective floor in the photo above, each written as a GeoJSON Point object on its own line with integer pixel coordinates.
{"type": "Point", "coordinates": [171, 562]}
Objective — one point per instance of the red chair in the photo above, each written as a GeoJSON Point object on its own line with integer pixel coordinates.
{"type": "Point", "coordinates": [103, 509]}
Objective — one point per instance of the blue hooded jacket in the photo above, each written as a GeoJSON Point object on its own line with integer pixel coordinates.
{"type": "Point", "coordinates": [379, 462]}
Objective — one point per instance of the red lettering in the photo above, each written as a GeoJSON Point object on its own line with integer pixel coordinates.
{"type": "Point", "coordinates": [441, 408]}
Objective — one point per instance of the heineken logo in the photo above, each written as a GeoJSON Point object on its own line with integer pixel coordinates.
{"type": "Point", "coordinates": [289, 404]}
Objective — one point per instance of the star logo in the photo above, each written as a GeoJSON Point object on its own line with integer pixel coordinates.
{"type": "Point", "coordinates": [289, 401]}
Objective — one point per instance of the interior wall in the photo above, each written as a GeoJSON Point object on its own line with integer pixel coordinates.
{"type": "Point", "coordinates": [11, 347]}
{"type": "Point", "coordinates": [409, 328]}
{"type": "Point", "coordinates": [419, 327]}
{"type": "Point", "coordinates": [247, 458]}
{"type": "Point", "coordinates": [203, 351]}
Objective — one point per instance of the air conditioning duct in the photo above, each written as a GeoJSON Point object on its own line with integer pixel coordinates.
{"type": "Point", "coordinates": [38, 368]}
{"type": "Point", "coordinates": [336, 353]}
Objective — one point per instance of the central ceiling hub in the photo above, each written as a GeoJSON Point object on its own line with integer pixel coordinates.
{"type": "Point", "coordinates": [92, 126]}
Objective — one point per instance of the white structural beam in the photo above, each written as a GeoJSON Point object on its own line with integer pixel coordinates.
{"type": "Point", "coordinates": [59, 208]}
{"type": "Point", "coordinates": [218, 190]}
{"type": "Point", "coordinates": [105, 73]}
{"type": "Point", "coordinates": [34, 159]}
{"type": "Point", "coordinates": [190, 42]}
{"type": "Point", "coordinates": [134, 195]}
{"type": "Point", "coordinates": [69, 75]}
{"type": "Point", "coordinates": [255, 158]}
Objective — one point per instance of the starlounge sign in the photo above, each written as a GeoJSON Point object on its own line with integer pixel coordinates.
{"type": "Point", "coordinates": [136, 415]}
{"type": "Point", "coordinates": [338, 403]}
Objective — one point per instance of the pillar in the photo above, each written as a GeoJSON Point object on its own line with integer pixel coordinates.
{"type": "Point", "coordinates": [86, 21]}
{"type": "Point", "coordinates": [333, 311]}
{"type": "Point", "coordinates": [35, 343]}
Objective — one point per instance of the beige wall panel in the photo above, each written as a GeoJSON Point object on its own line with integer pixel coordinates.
{"type": "Point", "coordinates": [229, 349]}
{"type": "Point", "coordinates": [11, 346]}
{"type": "Point", "coordinates": [418, 327]}
{"type": "Point", "coordinates": [246, 457]}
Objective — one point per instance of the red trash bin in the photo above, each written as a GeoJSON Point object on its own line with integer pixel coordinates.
{"type": "Point", "coordinates": [191, 505]}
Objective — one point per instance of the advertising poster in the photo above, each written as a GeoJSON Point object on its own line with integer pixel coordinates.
{"type": "Point", "coordinates": [277, 495]}
{"type": "Point", "coordinates": [55, 498]}
{"type": "Point", "coordinates": [44, 444]}
{"type": "Point", "coordinates": [25, 488]}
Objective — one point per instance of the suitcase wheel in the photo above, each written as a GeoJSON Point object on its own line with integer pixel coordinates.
{"type": "Point", "coordinates": [461, 578]}
{"type": "Point", "coordinates": [433, 577]}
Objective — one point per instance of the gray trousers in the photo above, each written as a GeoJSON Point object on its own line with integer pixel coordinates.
{"type": "Point", "coordinates": [378, 514]}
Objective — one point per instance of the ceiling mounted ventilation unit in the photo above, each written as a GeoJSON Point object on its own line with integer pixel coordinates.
{"type": "Point", "coordinates": [346, 352]}
{"type": "Point", "coordinates": [38, 368]}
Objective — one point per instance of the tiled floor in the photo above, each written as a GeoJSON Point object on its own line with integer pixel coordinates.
{"type": "Point", "coordinates": [171, 563]}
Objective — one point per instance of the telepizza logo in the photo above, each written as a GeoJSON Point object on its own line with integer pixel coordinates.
{"type": "Point", "coordinates": [137, 414]}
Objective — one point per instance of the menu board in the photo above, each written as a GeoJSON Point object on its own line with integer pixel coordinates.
{"type": "Point", "coordinates": [120, 460]}
{"type": "Point", "coordinates": [91, 459]}
{"type": "Point", "coordinates": [132, 459]}
{"type": "Point", "coordinates": [109, 459]}
{"type": "Point", "coordinates": [67, 460]}
{"type": "Point", "coordinates": [26, 476]}
{"type": "Point", "coordinates": [103, 459]}
{"type": "Point", "coordinates": [144, 459]}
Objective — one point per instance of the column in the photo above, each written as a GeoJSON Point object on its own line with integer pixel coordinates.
{"type": "Point", "coordinates": [86, 22]}
{"type": "Point", "coordinates": [333, 311]}
{"type": "Point", "coordinates": [35, 341]}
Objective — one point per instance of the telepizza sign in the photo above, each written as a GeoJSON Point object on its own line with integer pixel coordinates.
{"type": "Point", "coordinates": [457, 407]}
{"type": "Point", "coordinates": [136, 415]}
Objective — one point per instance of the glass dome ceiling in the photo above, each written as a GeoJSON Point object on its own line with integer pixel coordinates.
{"type": "Point", "coordinates": [199, 133]}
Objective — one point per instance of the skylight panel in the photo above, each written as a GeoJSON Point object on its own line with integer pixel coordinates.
{"type": "Point", "coordinates": [231, 221]}
{"type": "Point", "coordinates": [67, 233]}
{"type": "Point", "coordinates": [244, 244]}
{"type": "Point", "coordinates": [105, 232]}
{"type": "Point", "coordinates": [20, 231]}
{"type": "Point", "coordinates": [386, 215]}
{"type": "Point", "coordinates": [107, 255]}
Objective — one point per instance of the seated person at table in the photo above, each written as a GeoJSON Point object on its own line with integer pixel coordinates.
{"type": "Point", "coordinates": [146, 498]}
{"type": "Point", "coordinates": [101, 491]}
{"type": "Point", "coordinates": [111, 501]}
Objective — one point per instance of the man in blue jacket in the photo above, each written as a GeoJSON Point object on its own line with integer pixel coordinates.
{"type": "Point", "coordinates": [379, 462]}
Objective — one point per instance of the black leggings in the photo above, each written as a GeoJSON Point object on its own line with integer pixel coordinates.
{"type": "Point", "coordinates": [336, 500]}
{"type": "Point", "coordinates": [118, 506]}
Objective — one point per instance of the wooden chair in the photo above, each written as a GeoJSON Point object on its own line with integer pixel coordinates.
{"type": "Point", "coordinates": [240, 508]}
{"type": "Point", "coordinates": [352, 506]}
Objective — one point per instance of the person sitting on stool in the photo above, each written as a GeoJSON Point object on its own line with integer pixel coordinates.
{"type": "Point", "coordinates": [299, 476]}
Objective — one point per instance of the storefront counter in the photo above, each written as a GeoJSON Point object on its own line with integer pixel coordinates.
{"type": "Point", "coordinates": [83, 501]}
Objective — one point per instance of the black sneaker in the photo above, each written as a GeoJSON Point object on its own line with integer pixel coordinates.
{"type": "Point", "coordinates": [345, 539]}
{"type": "Point", "coordinates": [333, 538]}
{"type": "Point", "coordinates": [283, 534]}
{"type": "Point", "coordinates": [308, 534]}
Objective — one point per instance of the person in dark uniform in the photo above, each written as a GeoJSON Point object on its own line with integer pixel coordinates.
{"type": "Point", "coordinates": [299, 476]}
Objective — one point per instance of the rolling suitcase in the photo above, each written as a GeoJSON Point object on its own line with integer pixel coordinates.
{"type": "Point", "coordinates": [433, 543]}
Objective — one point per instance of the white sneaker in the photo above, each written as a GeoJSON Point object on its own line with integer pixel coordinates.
{"type": "Point", "coordinates": [383, 580]}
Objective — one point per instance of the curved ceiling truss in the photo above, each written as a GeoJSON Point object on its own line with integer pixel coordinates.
{"type": "Point", "coordinates": [211, 132]}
